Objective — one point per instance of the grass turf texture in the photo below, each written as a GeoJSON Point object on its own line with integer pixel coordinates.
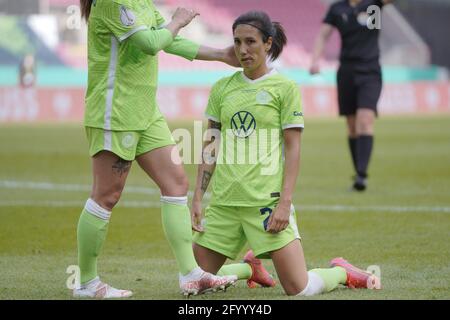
{"type": "Point", "coordinates": [402, 223]}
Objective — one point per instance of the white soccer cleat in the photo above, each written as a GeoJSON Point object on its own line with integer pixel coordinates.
{"type": "Point", "coordinates": [199, 282]}
{"type": "Point", "coordinates": [99, 290]}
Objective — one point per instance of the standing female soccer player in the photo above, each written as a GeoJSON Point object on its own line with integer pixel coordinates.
{"type": "Point", "coordinates": [123, 123]}
{"type": "Point", "coordinates": [359, 76]}
{"type": "Point", "coordinates": [252, 201]}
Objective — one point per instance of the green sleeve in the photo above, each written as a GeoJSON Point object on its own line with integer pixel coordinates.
{"type": "Point", "coordinates": [184, 48]}
{"type": "Point", "coordinates": [180, 46]}
{"type": "Point", "coordinates": [122, 20]}
{"type": "Point", "coordinates": [291, 107]}
{"type": "Point", "coordinates": [152, 41]}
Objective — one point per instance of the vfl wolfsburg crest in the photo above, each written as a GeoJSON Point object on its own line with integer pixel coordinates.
{"type": "Point", "coordinates": [127, 17]}
{"type": "Point", "coordinates": [128, 140]}
{"type": "Point", "coordinates": [243, 124]}
{"type": "Point", "coordinates": [263, 97]}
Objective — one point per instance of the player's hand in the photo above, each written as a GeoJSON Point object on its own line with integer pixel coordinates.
{"type": "Point", "coordinates": [197, 216]}
{"type": "Point", "coordinates": [230, 58]}
{"type": "Point", "coordinates": [279, 220]}
{"type": "Point", "coordinates": [184, 16]}
{"type": "Point", "coordinates": [314, 69]}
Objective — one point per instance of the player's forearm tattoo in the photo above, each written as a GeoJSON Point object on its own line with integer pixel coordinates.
{"type": "Point", "coordinates": [121, 166]}
{"type": "Point", "coordinates": [206, 177]}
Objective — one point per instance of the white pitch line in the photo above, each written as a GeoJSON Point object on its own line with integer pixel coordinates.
{"type": "Point", "coordinates": [346, 208]}
{"type": "Point", "coordinates": [74, 203]}
{"type": "Point", "coordinates": [49, 186]}
{"type": "Point", "coordinates": [299, 208]}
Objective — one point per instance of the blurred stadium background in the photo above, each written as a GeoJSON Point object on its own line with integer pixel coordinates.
{"type": "Point", "coordinates": [402, 223]}
{"type": "Point", "coordinates": [415, 57]}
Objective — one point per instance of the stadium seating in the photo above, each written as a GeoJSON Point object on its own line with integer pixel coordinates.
{"type": "Point", "coordinates": [301, 20]}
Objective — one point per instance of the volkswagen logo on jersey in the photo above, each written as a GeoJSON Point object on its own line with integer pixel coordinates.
{"type": "Point", "coordinates": [127, 17]}
{"type": "Point", "coordinates": [243, 124]}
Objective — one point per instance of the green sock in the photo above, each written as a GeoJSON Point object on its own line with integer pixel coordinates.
{"type": "Point", "coordinates": [91, 234]}
{"type": "Point", "coordinates": [242, 270]}
{"type": "Point", "coordinates": [331, 277]}
{"type": "Point", "coordinates": [176, 220]}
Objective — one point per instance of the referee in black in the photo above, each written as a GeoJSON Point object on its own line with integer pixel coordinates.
{"type": "Point", "coordinates": [359, 75]}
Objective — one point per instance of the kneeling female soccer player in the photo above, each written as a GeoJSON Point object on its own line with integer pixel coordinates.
{"type": "Point", "coordinates": [257, 114]}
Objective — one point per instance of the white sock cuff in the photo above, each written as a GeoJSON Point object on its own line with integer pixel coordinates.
{"type": "Point", "coordinates": [93, 208]}
{"type": "Point", "coordinates": [182, 201]}
{"type": "Point", "coordinates": [315, 285]}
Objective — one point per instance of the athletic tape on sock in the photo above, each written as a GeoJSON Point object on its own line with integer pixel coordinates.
{"type": "Point", "coordinates": [93, 208]}
{"type": "Point", "coordinates": [315, 285]}
{"type": "Point", "coordinates": [175, 200]}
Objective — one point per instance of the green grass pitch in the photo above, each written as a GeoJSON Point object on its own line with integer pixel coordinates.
{"type": "Point", "coordinates": [401, 224]}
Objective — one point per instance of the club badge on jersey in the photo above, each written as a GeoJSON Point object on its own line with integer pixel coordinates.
{"type": "Point", "coordinates": [127, 17]}
{"type": "Point", "coordinates": [263, 97]}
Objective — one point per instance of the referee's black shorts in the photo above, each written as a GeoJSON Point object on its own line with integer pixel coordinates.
{"type": "Point", "coordinates": [359, 86]}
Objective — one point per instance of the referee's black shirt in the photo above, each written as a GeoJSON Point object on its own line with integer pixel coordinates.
{"type": "Point", "coordinates": [359, 43]}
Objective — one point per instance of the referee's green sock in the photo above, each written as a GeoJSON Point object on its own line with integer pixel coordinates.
{"type": "Point", "coordinates": [176, 220]}
{"type": "Point", "coordinates": [91, 233]}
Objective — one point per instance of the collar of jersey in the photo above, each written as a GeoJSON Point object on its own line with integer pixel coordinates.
{"type": "Point", "coordinates": [264, 77]}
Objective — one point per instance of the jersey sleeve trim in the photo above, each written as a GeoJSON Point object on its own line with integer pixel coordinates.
{"type": "Point", "coordinates": [130, 33]}
{"type": "Point", "coordinates": [290, 126]}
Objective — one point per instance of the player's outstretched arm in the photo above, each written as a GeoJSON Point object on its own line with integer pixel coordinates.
{"type": "Point", "coordinates": [226, 55]}
{"type": "Point", "coordinates": [205, 172]}
{"type": "Point", "coordinates": [192, 51]}
{"type": "Point", "coordinates": [153, 41]}
{"type": "Point", "coordinates": [180, 19]}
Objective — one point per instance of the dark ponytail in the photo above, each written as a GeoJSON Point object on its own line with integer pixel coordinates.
{"type": "Point", "coordinates": [261, 21]}
{"type": "Point", "coordinates": [86, 8]}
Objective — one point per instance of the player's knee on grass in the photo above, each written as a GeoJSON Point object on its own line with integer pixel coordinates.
{"type": "Point", "coordinates": [293, 289]}
{"type": "Point", "coordinates": [314, 286]}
